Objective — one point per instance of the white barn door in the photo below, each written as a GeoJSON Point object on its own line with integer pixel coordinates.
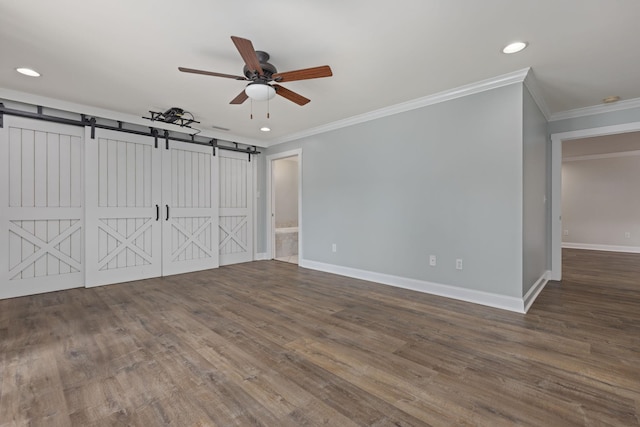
{"type": "Point", "coordinates": [236, 208]}
{"type": "Point", "coordinates": [41, 219]}
{"type": "Point", "coordinates": [123, 201]}
{"type": "Point", "coordinates": [189, 208]}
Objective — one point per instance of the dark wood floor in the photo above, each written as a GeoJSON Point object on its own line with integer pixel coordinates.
{"type": "Point", "coordinates": [270, 344]}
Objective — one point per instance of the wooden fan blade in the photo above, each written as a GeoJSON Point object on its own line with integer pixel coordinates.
{"type": "Point", "coordinates": [211, 73]}
{"type": "Point", "coordinates": [242, 96]}
{"type": "Point", "coordinates": [248, 53]}
{"type": "Point", "coordinates": [304, 74]}
{"type": "Point", "coordinates": [291, 95]}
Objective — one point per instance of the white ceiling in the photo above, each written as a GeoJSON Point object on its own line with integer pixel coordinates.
{"type": "Point", "coordinates": [123, 55]}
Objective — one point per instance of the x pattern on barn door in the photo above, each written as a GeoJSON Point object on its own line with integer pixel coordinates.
{"type": "Point", "coordinates": [123, 196]}
{"type": "Point", "coordinates": [151, 211]}
{"type": "Point", "coordinates": [190, 190]}
{"type": "Point", "coordinates": [41, 227]}
{"type": "Point", "coordinates": [236, 208]}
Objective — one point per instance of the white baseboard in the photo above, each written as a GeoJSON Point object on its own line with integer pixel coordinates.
{"type": "Point", "coordinates": [607, 248]}
{"type": "Point", "coordinates": [260, 256]}
{"type": "Point", "coordinates": [535, 290]}
{"type": "Point", "coordinates": [469, 295]}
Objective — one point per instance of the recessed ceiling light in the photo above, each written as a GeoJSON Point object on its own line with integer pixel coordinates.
{"type": "Point", "coordinates": [28, 72]}
{"type": "Point", "coordinates": [611, 99]}
{"type": "Point", "coordinates": [514, 47]}
{"type": "Point", "coordinates": [265, 129]}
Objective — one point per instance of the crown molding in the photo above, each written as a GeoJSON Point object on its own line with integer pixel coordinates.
{"type": "Point", "coordinates": [596, 109]}
{"type": "Point", "coordinates": [602, 156]}
{"type": "Point", "coordinates": [72, 107]}
{"type": "Point", "coordinates": [531, 83]}
{"type": "Point", "coordinates": [459, 92]}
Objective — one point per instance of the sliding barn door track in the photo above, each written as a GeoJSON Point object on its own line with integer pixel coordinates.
{"type": "Point", "coordinates": [93, 123]}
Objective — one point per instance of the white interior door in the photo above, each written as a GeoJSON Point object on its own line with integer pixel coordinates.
{"type": "Point", "coordinates": [236, 208]}
{"type": "Point", "coordinates": [189, 208]}
{"type": "Point", "coordinates": [41, 219]}
{"type": "Point", "coordinates": [123, 198]}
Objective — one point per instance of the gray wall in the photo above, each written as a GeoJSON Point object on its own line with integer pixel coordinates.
{"type": "Point", "coordinates": [285, 179]}
{"type": "Point", "coordinates": [600, 201]}
{"type": "Point", "coordinates": [445, 179]}
{"type": "Point", "coordinates": [535, 193]}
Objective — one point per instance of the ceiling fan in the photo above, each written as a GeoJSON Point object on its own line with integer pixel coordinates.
{"type": "Point", "coordinates": [264, 76]}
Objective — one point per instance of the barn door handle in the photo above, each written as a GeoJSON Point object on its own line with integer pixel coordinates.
{"type": "Point", "coordinates": [157, 212]}
{"type": "Point", "coordinates": [167, 212]}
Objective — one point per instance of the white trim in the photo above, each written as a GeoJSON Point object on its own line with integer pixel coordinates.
{"type": "Point", "coordinates": [255, 208]}
{"type": "Point", "coordinates": [535, 290]}
{"type": "Point", "coordinates": [556, 209]}
{"type": "Point", "coordinates": [556, 184]}
{"type": "Point", "coordinates": [72, 107]}
{"type": "Point", "coordinates": [602, 156]}
{"type": "Point", "coordinates": [260, 256]}
{"type": "Point", "coordinates": [477, 297]}
{"type": "Point", "coordinates": [531, 84]}
{"type": "Point", "coordinates": [600, 131]}
{"type": "Point", "coordinates": [596, 109]}
{"type": "Point", "coordinates": [447, 95]}
{"type": "Point", "coordinates": [606, 248]}
{"type": "Point", "coordinates": [269, 179]}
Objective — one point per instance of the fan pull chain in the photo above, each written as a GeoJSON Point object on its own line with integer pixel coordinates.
{"type": "Point", "coordinates": [251, 108]}
{"type": "Point", "coordinates": [267, 108]}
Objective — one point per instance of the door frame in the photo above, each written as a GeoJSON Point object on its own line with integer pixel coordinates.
{"type": "Point", "coordinates": [270, 215]}
{"type": "Point", "coordinates": [556, 183]}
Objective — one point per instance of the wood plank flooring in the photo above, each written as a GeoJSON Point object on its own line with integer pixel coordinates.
{"type": "Point", "coordinates": [270, 344]}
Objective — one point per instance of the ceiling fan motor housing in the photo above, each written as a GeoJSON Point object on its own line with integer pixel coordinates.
{"type": "Point", "coordinates": [267, 68]}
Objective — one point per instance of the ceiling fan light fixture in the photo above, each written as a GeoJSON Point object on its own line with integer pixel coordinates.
{"type": "Point", "coordinates": [265, 129]}
{"type": "Point", "coordinates": [260, 91]}
{"type": "Point", "coordinates": [514, 47]}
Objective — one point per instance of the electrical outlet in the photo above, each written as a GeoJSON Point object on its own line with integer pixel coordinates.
{"type": "Point", "coordinates": [459, 264]}
{"type": "Point", "coordinates": [432, 260]}
{"type": "Point", "coordinates": [627, 234]}
{"type": "Point", "coordinates": [334, 248]}
{"type": "Point", "coordinates": [565, 232]}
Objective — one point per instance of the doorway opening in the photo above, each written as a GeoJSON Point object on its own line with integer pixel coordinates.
{"type": "Point", "coordinates": [557, 228]}
{"type": "Point", "coordinates": [284, 206]}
